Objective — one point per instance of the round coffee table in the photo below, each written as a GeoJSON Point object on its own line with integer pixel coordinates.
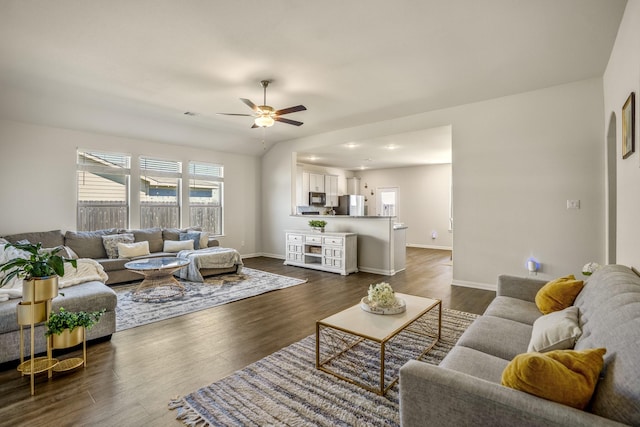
{"type": "Point", "coordinates": [159, 283]}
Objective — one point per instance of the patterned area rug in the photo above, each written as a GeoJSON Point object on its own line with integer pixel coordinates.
{"type": "Point", "coordinates": [285, 388]}
{"type": "Point", "coordinates": [216, 290]}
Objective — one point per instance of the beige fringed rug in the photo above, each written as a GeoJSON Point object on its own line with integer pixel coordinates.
{"type": "Point", "coordinates": [285, 388]}
{"type": "Point", "coordinates": [216, 290]}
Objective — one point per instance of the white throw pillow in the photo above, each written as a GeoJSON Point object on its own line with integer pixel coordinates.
{"type": "Point", "coordinates": [204, 239]}
{"type": "Point", "coordinates": [556, 331]}
{"type": "Point", "coordinates": [178, 245]}
{"type": "Point", "coordinates": [110, 243]}
{"type": "Point", "coordinates": [131, 250]}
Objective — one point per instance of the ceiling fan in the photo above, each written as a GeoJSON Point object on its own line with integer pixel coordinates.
{"type": "Point", "coordinates": [265, 115]}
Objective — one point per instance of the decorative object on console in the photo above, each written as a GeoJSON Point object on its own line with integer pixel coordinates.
{"type": "Point", "coordinates": [628, 126]}
{"type": "Point", "coordinates": [318, 224]}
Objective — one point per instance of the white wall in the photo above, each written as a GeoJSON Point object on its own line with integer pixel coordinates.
{"type": "Point", "coordinates": [423, 201]}
{"type": "Point", "coordinates": [38, 180]}
{"type": "Point", "coordinates": [622, 77]}
{"type": "Point", "coordinates": [516, 161]}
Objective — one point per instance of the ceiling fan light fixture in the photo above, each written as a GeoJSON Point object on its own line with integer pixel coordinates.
{"type": "Point", "coordinates": [264, 121]}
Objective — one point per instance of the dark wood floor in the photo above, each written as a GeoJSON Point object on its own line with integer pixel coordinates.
{"type": "Point", "coordinates": [130, 379]}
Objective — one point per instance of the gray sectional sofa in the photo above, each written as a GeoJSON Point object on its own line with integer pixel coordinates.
{"type": "Point", "coordinates": [89, 244]}
{"type": "Point", "coordinates": [465, 389]}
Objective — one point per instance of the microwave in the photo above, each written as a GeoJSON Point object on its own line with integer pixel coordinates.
{"type": "Point", "coordinates": [317, 199]}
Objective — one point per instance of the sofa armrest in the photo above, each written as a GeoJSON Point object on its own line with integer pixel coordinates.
{"type": "Point", "coordinates": [431, 395]}
{"type": "Point", "coordinates": [522, 288]}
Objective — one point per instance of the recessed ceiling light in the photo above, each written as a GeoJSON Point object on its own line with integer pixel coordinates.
{"type": "Point", "coordinates": [351, 145]}
{"type": "Point", "coordinates": [312, 158]}
{"type": "Point", "coordinates": [391, 147]}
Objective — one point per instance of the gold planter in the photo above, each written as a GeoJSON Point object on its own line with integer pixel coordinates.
{"type": "Point", "coordinates": [68, 338]}
{"type": "Point", "coordinates": [40, 289]}
{"type": "Point", "coordinates": [24, 312]}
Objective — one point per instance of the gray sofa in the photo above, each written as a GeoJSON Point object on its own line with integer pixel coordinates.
{"type": "Point", "coordinates": [89, 244]}
{"type": "Point", "coordinates": [465, 388]}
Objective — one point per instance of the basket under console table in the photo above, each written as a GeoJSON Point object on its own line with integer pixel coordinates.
{"type": "Point", "coordinates": [332, 252]}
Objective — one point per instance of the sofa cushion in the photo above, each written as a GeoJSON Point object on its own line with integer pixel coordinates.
{"type": "Point", "coordinates": [113, 264]}
{"type": "Point", "coordinates": [174, 233]}
{"type": "Point", "coordinates": [555, 331]}
{"type": "Point", "coordinates": [177, 246]}
{"type": "Point", "coordinates": [192, 235]}
{"type": "Point", "coordinates": [558, 294]}
{"type": "Point", "coordinates": [475, 363]}
{"type": "Point", "coordinates": [130, 250]}
{"type": "Point", "coordinates": [111, 241]}
{"type": "Point", "coordinates": [609, 307]}
{"type": "Point", "coordinates": [499, 337]}
{"type": "Point", "coordinates": [513, 309]}
{"type": "Point", "coordinates": [151, 235]}
{"type": "Point", "coordinates": [49, 239]}
{"type": "Point", "coordinates": [564, 376]}
{"type": "Point", "coordinates": [88, 244]}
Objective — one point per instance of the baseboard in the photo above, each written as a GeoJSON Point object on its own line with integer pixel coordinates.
{"type": "Point", "coordinates": [276, 256]}
{"type": "Point", "coordinates": [442, 248]}
{"type": "Point", "coordinates": [376, 271]}
{"type": "Point", "coordinates": [243, 256]}
{"type": "Point", "coordinates": [476, 285]}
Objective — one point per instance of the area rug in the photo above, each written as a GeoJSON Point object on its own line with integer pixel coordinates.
{"type": "Point", "coordinates": [216, 290]}
{"type": "Point", "coordinates": [285, 388]}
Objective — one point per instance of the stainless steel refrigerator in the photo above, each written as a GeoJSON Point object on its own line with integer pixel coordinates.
{"type": "Point", "coordinates": [351, 204]}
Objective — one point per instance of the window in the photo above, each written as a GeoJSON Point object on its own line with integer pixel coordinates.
{"type": "Point", "coordinates": [205, 196]}
{"type": "Point", "coordinates": [388, 201]}
{"type": "Point", "coordinates": [103, 190]}
{"type": "Point", "coordinates": [159, 193]}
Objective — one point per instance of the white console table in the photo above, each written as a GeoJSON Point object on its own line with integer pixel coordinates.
{"type": "Point", "coordinates": [333, 252]}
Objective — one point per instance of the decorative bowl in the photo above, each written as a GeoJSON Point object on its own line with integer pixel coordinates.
{"type": "Point", "coordinates": [397, 308]}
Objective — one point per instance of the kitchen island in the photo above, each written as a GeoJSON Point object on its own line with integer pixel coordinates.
{"type": "Point", "coordinates": [376, 242]}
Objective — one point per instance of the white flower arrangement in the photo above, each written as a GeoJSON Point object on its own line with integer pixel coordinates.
{"type": "Point", "coordinates": [382, 294]}
{"type": "Point", "coordinates": [590, 268]}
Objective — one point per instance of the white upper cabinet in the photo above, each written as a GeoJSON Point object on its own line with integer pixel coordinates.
{"type": "Point", "coordinates": [316, 182]}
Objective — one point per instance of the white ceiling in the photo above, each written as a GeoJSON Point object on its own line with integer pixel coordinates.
{"type": "Point", "coordinates": [133, 67]}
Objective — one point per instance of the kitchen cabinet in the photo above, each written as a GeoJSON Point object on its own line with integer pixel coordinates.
{"type": "Point", "coordinates": [331, 189]}
{"type": "Point", "coordinates": [353, 185]}
{"type": "Point", "coordinates": [316, 182]}
{"type": "Point", "coordinates": [332, 252]}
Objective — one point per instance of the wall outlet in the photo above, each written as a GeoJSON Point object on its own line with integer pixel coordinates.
{"type": "Point", "coordinates": [434, 235]}
{"type": "Point", "coordinates": [573, 204]}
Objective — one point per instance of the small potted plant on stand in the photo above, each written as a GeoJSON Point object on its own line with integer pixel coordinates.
{"type": "Point", "coordinates": [317, 224]}
{"type": "Point", "coordinates": [67, 328]}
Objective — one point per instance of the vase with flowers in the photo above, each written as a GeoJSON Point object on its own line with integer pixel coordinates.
{"type": "Point", "coordinates": [381, 299]}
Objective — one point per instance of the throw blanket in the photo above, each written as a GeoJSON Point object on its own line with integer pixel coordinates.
{"type": "Point", "coordinates": [88, 270]}
{"type": "Point", "coordinates": [215, 257]}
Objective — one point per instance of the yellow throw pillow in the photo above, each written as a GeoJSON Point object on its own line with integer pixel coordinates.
{"type": "Point", "coordinates": [564, 376]}
{"type": "Point", "coordinates": [558, 294]}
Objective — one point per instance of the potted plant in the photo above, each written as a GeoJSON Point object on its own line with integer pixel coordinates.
{"type": "Point", "coordinates": [318, 224]}
{"type": "Point", "coordinates": [67, 327]}
{"type": "Point", "coordinates": [40, 269]}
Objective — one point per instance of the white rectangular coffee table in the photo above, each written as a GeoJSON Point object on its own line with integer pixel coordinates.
{"type": "Point", "coordinates": [344, 339]}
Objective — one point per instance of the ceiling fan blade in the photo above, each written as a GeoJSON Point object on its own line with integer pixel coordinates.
{"type": "Point", "coordinates": [234, 114]}
{"type": "Point", "coordinates": [254, 126]}
{"type": "Point", "coordinates": [250, 104]}
{"type": "Point", "coordinates": [290, 110]}
{"type": "Point", "coordinates": [287, 121]}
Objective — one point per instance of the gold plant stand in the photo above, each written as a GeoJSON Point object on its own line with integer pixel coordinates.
{"type": "Point", "coordinates": [35, 308]}
{"type": "Point", "coordinates": [70, 339]}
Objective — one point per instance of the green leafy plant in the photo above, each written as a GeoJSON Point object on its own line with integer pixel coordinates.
{"type": "Point", "coordinates": [39, 263]}
{"type": "Point", "coordinates": [317, 223]}
{"type": "Point", "coordinates": [64, 319]}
